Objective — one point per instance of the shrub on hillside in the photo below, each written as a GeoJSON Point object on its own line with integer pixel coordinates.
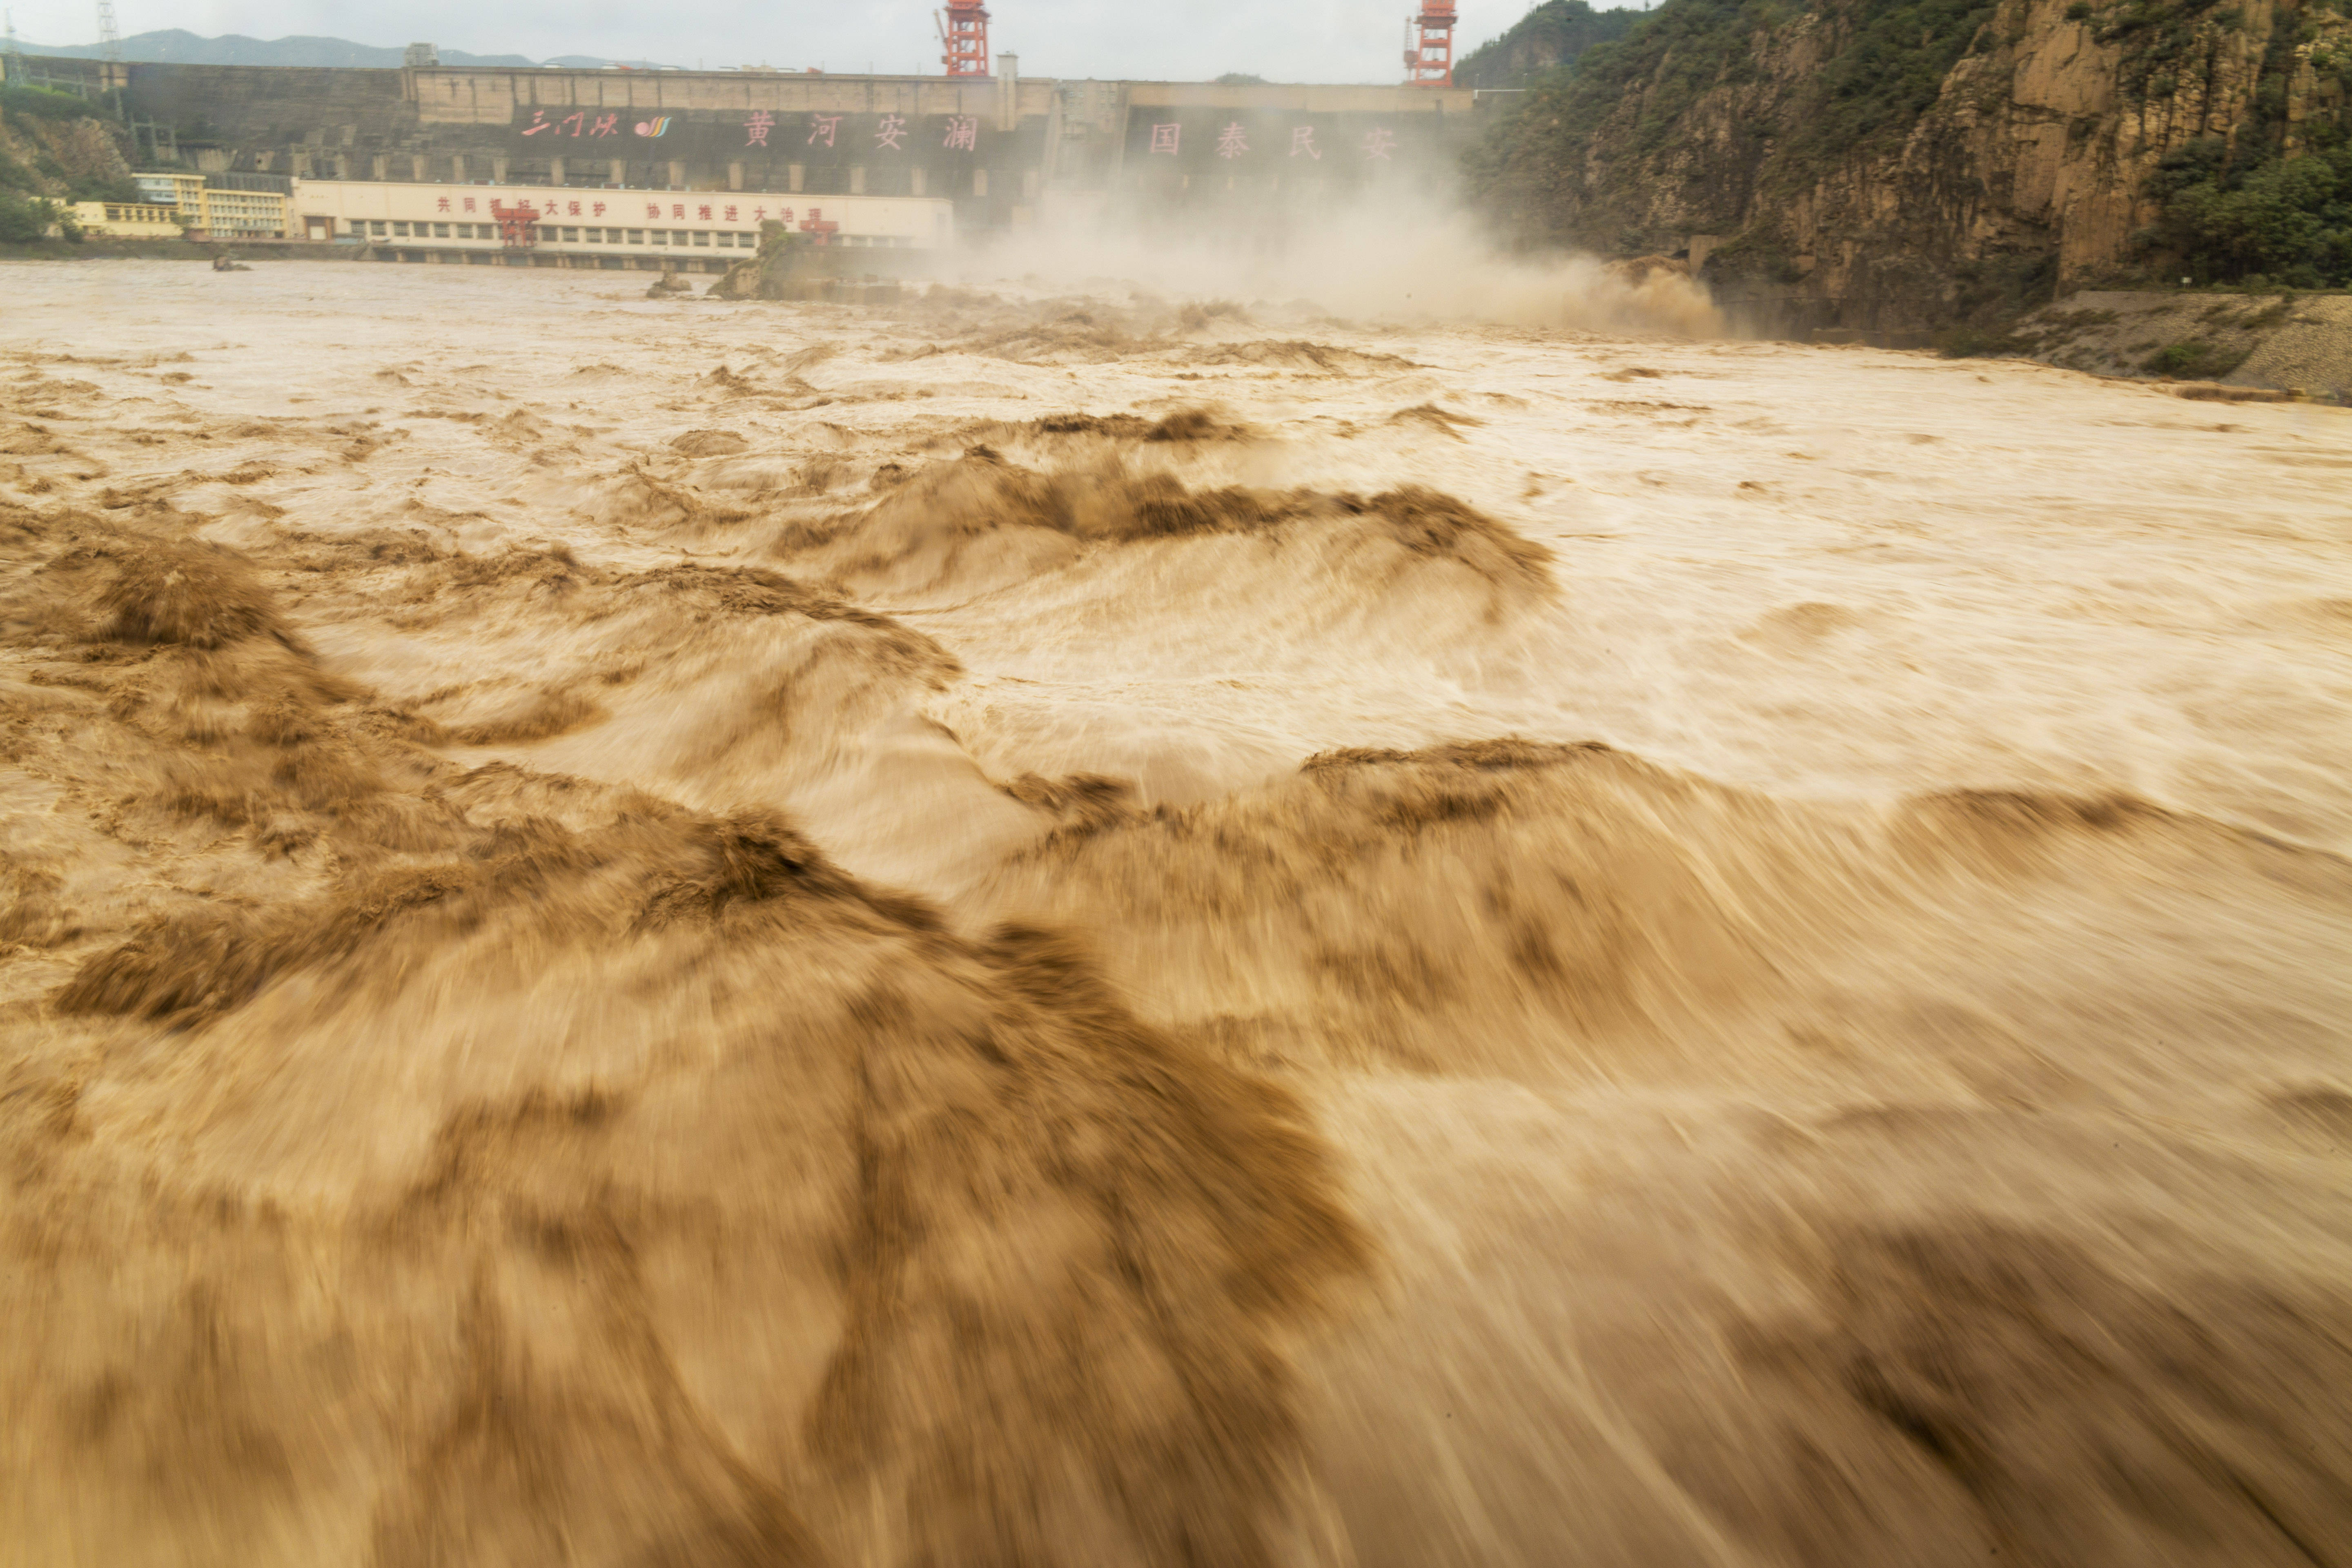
{"type": "Point", "coordinates": [2288, 220]}
{"type": "Point", "coordinates": [44, 104]}
{"type": "Point", "coordinates": [24, 219]}
{"type": "Point", "coordinates": [2193, 360]}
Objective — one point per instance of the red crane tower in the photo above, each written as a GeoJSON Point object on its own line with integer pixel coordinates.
{"type": "Point", "coordinates": [1429, 44]}
{"type": "Point", "coordinates": [963, 28]}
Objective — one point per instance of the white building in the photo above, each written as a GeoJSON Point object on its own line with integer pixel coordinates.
{"type": "Point", "coordinates": [246, 214]}
{"type": "Point", "coordinates": [588, 226]}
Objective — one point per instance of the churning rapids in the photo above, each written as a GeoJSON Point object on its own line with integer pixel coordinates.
{"type": "Point", "coordinates": [1065, 929]}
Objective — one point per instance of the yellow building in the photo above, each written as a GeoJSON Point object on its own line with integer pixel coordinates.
{"type": "Point", "coordinates": [172, 188]}
{"type": "Point", "coordinates": [128, 220]}
{"type": "Point", "coordinates": [244, 214]}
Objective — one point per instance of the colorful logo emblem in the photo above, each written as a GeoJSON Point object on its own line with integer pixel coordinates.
{"type": "Point", "coordinates": [653, 127]}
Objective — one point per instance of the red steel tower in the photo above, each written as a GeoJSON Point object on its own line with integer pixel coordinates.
{"type": "Point", "coordinates": [1429, 44]}
{"type": "Point", "coordinates": [963, 28]}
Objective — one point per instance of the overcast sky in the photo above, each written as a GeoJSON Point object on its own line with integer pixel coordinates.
{"type": "Point", "coordinates": [1285, 40]}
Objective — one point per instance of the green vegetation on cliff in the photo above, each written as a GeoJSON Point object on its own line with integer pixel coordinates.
{"type": "Point", "coordinates": [2271, 220]}
{"type": "Point", "coordinates": [1547, 171]}
{"type": "Point", "coordinates": [2274, 203]}
{"type": "Point", "coordinates": [54, 148]}
{"type": "Point", "coordinates": [1552, 36]}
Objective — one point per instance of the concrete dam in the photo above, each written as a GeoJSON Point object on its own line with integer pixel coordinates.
{"type": "Point", "coordinates": [1002, 149]}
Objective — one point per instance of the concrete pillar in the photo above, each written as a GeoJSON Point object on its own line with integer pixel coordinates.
{"type": "Point", "coordinates": [382, 162]}
{"type": "Point", "coordinates": [343, 165]}
{"type": "Point", "coordinates": [498, 170]}
{"type": "Point", "coordinates": [457, 168]}
{"type": "Point", "coordinates": [417, 168]}
{"type": "Point", "coordinates": [735, 175]}
{"type": "Point", "coordinates": [980, 181]}
{"type": "Point", "coordinates": [555, 171]}
{"type": "Point", "coordinates": [857, 179]}
{"type": "Point", "coordinates": [620, 174]}
{"type": "Point", "coordinates": [677, 175]}
{"type": "Point", "coordinates": [919, 174]}
{"type": "Point", "coordinates": [1008, 92]}
{"type": "Point", "coordinates": [797, 176]}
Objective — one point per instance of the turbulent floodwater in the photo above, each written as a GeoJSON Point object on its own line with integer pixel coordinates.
{"type": "Point", "coordinates": [1082, 930]}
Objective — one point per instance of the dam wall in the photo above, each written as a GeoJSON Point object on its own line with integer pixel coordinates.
{"type": "Point", "coordinates": [1000, 148]}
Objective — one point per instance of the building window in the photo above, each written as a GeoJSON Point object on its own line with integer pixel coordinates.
{"type": "Point", "coordinates": [701, 236]}
{"type": "Point", "coordinates": [660, 237]}
{"type": "Point", "coordinates": [570, 237]}
{"type": "Point", "coordinates": [637, 236]}
{"type": "Point", "coordinates": [399, 231]}
{"type": "Point", "coordinates": [440, 231]}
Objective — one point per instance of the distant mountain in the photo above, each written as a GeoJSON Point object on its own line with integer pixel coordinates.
{"type": "Point", "coordinates": [178, 47]}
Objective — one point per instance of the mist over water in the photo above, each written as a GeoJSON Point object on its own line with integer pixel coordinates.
{"type": "Point", "coordinates": [1407, 256]}
{"type": "Point", "coordinates": [1371, 907]}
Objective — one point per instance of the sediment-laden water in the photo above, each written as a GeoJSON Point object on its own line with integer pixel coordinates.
{"type": "Point", "coordinates": [1066, 927]}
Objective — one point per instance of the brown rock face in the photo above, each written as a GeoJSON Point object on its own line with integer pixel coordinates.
{"type": "Point", "coordinates": [52, 155]}
{"type": "Point", "coordinates": [2028, 172]}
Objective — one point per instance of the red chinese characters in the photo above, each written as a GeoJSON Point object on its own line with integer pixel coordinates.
{"type": "Point", "coordinates": [574, 125]}
{"type": "Point", "coordinates": [756, 128]}
{"type": "Point", "coordinates": [703, 213]}
{"type": "Point", "coordinates": [823, 128]}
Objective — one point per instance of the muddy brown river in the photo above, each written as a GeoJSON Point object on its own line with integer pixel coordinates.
{"type": "Point", "coordinates": [1066, 925]}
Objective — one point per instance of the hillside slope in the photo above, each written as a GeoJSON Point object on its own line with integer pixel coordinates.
{"type": "Point", "coordinates": [1908, 164]}
{"type": "Point", "coordinates": [53, 149]}
{"type": "Point", "coordinates": [1552, 37]}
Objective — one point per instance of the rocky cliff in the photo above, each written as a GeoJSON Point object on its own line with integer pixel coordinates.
{"type": "Point", "coordinates": [1886, 165]}
{"type": "Point", "coordinates": [54, 146]}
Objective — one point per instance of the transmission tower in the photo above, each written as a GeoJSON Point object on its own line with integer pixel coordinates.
{"type": "Point", "coordinates": [12, 59]}
{"type": "Point", "coordinates": [110, 40]}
